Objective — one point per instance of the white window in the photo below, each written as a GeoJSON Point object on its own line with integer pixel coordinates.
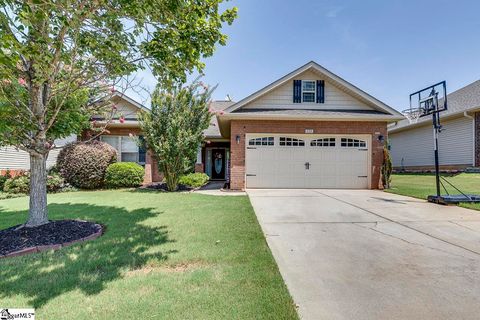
{"type": "Point", "coordinates": [264, 141]}
{"type": "Point", "coordinates": [291, 142]}
{"type": "Point", "coordinates": [127, 148]}
{"type": "Point", "coordinates": [324, 142]}
{"type": "Point", "coordinates": [308, 90]}
{"type": "Point", "coordinates": [352, 143]}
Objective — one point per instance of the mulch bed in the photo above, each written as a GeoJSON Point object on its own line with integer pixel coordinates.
{"type": "Point", "coordinates": [18, 240]}
{"type": "Point", "coordinates": [163, 187]}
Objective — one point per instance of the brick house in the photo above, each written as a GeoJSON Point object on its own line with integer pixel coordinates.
{"type": "Point", "coordinates": [308, 129]}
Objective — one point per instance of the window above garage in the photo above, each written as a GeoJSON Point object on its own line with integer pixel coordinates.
{"type": "Point", "coordinates": [323, 142]}
{"type": "Point", "coordinates": [263, 141]}
{"type": "Point", "coordinates": [291, 142]}
{"type": "Point", "coordinates": [352, 143]}
{"type": "Point", "coordinates": [308, 90]}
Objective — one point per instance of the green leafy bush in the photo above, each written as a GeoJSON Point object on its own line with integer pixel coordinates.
{"type": "Point", "coordinates": [194, 180]}
{"type": "Point", "coordinates": [21, 183]}
{"type": "Point", "coordinates": [17, 184]}
{"type": "Point", "coordinates": [124, 175]}
{"type": "Point", "coordinates": [84, 164]}
{"type": "Point", "coordinates": [3, 179]}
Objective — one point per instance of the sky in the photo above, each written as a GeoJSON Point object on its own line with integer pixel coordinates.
{"type": "Point", "coordinates": [387, 48]}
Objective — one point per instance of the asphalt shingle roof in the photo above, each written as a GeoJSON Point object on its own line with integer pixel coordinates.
{"type": "Point", "coordinates": [464, 99]}
{"type": "Point", "coordinates": [213, 131]}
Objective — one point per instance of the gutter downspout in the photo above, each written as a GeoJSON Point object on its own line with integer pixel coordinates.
{"type": "Point", "coordinates": [466, 115]}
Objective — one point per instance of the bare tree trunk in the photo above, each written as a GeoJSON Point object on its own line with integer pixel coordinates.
{"type": "Point", "coordinates": [38, 214]}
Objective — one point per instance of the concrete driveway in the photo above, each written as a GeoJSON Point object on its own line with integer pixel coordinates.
{"type": "Point", "coordinates": [361, 254]}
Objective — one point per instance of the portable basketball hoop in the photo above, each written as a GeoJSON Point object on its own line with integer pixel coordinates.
{"type": "Point", "coordinates": [431, 101]}
{"type": "Point", "coordinates": [413, 114]}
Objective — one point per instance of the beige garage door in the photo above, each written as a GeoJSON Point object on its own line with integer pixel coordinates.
{"type": "Point", "coordinates": [307, 161]}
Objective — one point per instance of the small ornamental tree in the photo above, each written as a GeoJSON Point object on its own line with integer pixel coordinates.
{"type": "Point", "coordinates": [386, 166]}
{"type": "Point", "coordinates": [173, 129]}
{"type": "Point", "coordinates": [56, 57]}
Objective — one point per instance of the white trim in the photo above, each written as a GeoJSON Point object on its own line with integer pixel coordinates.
{"type": "Point", "coordinates": [474, 138]}
{"type": "Point", "coordinates": [123, 96]}
{"type": "Point", "coordinates": [314, 91]}
{"type": "Point", "coordinates": [333, 77]}
{"type": "Point", "coordinates": [308, 138]}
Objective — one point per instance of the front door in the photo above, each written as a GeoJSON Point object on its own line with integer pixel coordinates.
{"type": "Point", "coordinates": [218, 164]}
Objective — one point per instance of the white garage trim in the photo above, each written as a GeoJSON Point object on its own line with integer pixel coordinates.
{"type": "Point", "coordinates": [284, 159]}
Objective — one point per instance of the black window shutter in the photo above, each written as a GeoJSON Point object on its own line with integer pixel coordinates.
{"type": "Point", "coordinates": [320, 91]}
{"type": "Point", "coordinates": [142, 150]}
{"type": "Point", "coordinates": [297, 91]}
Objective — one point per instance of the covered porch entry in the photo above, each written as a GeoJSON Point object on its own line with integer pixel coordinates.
{"type": "Point", "coordinates": [213, 158]}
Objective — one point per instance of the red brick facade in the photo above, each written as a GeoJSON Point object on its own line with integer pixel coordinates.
{"type": "Point", "coordinates": [477, 139]}
{"type": "Point", "coordinates": [241, 127]}
{"type": "Point", "coordinates": [152, 172]}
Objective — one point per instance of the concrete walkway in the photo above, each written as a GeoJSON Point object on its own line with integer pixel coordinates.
{"type": "Point", "coordinates": [361, 254]}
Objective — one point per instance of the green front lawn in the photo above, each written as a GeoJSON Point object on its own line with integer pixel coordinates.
{"type": "Point", "coordinates": [163, 256]}
{"type": "Point", "coordinates": [422, 185]}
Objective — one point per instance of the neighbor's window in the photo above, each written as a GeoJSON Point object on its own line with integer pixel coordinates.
{"type": "Point", "coordinates": [308, 90]}
{"type": "Point", "coordinates": [127, 148]}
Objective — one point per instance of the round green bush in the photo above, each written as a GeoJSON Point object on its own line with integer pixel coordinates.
{"type": "Point", "coordinates": [83, 164]}
{"type": "Point", "coordinates": [124, 175]}
{"type": "Point", "coordinates": [21, 183]}
{"type": "Point", "coordinates": [194, 180]}
{"type": "Point", "coordinates": [17, 184]}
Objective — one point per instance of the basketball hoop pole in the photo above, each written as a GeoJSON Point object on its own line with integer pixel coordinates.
{"type": "Point", "coordinates": [436, 131]}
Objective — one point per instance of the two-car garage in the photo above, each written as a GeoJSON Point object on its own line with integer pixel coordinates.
{"type": "Point", "coordinates": [307, 161]}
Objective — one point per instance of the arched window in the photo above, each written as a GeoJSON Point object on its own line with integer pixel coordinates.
{"type": "Point", "coordinates": [291, 142]}
{"type": "Point", "coordinates": [263, 141]}
{"type": "Point", "coordinates": [352, 143]}
{"type": "Point", "coordinates": [323, 142]}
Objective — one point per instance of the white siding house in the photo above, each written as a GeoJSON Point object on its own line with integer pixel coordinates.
{"type": "Point", "coordinates": [13, 159]}
{"type": "Point", "coordinates": [412, 144]}
{"type": "Point", "coordinates": [414, 147]}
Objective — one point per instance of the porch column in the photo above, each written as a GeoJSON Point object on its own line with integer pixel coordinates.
{"type": "Point", "coordinates": [199, 162]}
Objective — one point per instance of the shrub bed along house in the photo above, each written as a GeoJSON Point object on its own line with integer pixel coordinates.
{"type": "Point", "coordinates": [21, 183]}
{"type": "Point", "coordinates": [84, 164]}
{"type": "Point", "coordinates": [194, 180]}
{"type": "Point", "coordinates": [124, 175]}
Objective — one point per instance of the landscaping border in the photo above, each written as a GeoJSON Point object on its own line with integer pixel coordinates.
{"type": "Point", "coordinates": [41, 248]}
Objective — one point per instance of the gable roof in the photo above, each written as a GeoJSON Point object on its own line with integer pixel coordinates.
{"type": "Point", "coordinates": [338, 81]}
{"type": "Point", "coordinates": [462, 100]}
{"type": "Point", "coordinates": [123, 96]}
{"type": "Point", "coordinates": [213, 131]}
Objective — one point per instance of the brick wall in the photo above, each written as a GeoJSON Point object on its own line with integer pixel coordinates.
{"type": "Point", "coordinates": [152, 173]}
{"type": "Point", "coordinates": [477, 139]}
{"type": "Point", "coordinates": [241, 127]}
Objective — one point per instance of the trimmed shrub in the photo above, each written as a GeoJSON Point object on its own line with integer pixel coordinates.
{"type": "Point", "coordinates": [124, 175]}
{"type": "Point", "coordinates": [21, 183]}
{"type": "Point", "coordinates": [18, 184]}
{"type": "Point", "coordinates": [83, 164]}
{"type": "Point", "coordinates": [3, 179]}
{"type": "Point", "coordinates": [194, 180]}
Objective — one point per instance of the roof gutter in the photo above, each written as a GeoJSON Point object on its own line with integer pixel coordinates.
{"type": "Point", "coordinates": [466, 115]}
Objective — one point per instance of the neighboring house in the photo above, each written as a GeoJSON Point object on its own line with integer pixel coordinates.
{"type": "Point", "coordinates": [16, 160]}
{"type": "Point", "coordinates": [309, 129]}
{"type": "Point", "coordinates": [459, 141]}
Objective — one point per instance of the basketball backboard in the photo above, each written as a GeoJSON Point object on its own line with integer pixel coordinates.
{"type": "Point", "coordinates": [430, 100]}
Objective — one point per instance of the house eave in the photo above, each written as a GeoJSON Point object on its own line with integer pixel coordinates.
{"type": "Point", "coordinates": [225, 119]}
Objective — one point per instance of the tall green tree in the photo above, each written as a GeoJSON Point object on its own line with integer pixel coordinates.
{"type": "Point", "coordinates": [58, 57]}
{"type": "Point", "coordinates": [173, 129]}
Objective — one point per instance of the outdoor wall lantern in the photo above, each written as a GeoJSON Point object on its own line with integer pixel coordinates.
{"type": "Point", "coordinates": [237, 138]}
